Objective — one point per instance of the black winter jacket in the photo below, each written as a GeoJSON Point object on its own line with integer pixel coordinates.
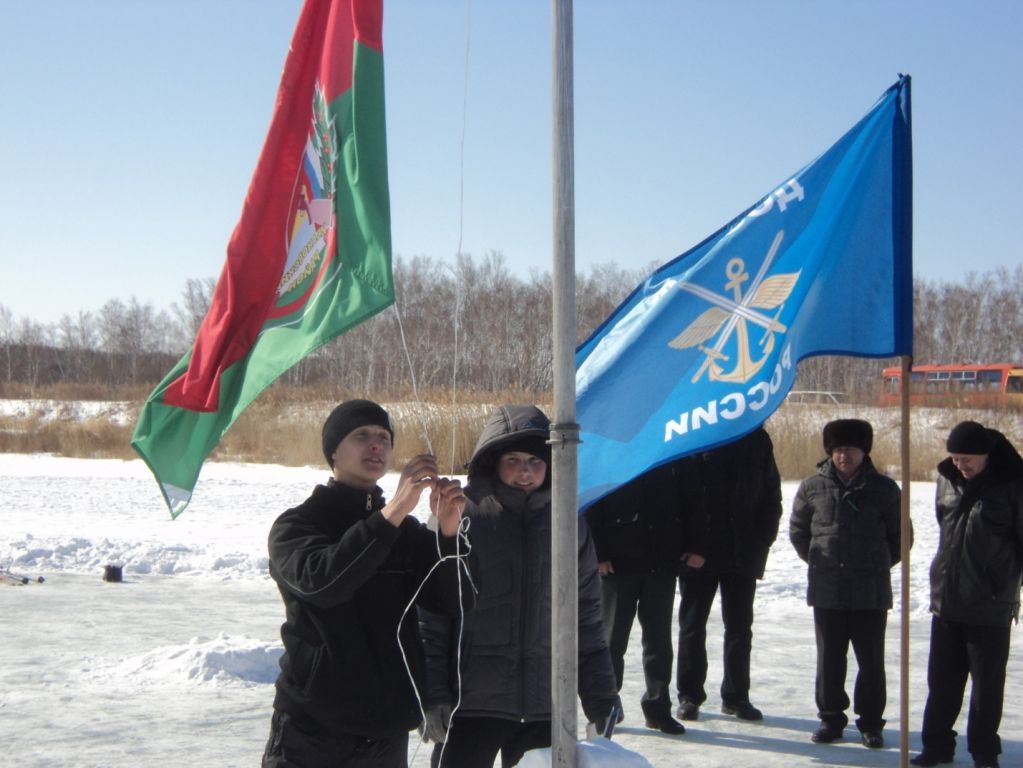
{"type": "Point", "coordinates": [743, 493]}
{"type": "Point", "coordinates": [645, 525]}
{"type": "Point", "coordinates": [506, 640]}
{"type": "Point", "coordinates": [346, 575]}
{"type": "Point", "coordinates": [978, 568]}
{"type": "Point", "coordinates": [850, 537]}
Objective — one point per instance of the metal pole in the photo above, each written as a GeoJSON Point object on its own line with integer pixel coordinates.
{"type": "Point", "coordinates": [564, 430]}
{"type": "Point", "coordinates": [905, 533]}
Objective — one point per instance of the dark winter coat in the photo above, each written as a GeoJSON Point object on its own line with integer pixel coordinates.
{"type": "Point", "coordinates": [646, 525]}
{"type": "Point", "coordinates": [346, 575]}
{"type": "Point", "coordinates": [506, 640]}
{"type": "Point", "coordinates": [850, 537]}
{"type": "Point", "coordinates": [743, 492]}
{"type": "Point", "coordinates": [976, 573]}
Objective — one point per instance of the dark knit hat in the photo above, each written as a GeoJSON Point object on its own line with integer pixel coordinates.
{"type": "Point", "coordinates": [971, 438]}
{"type": "Point", "coordinates": [531, 444]}
{"type": "Point", "coordinates": [350, 415]}
{"type": "Point", "coordinates": [848, 432]}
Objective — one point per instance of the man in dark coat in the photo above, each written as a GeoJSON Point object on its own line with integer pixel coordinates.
{"type": "Point", "coordinates": [348, 564]}
{"type": "Point", "coordinates": [489, 688]}
{"type": "Point", "coordinates": [743, 495]}
{"type": "Point", "coordinates": [643, 532]}
{"type": "Point", "coordinates": [846, 524]}
{"type": "Point", "coordinates": [975, 591]}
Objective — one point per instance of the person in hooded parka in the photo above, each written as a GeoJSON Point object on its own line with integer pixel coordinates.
{"type": "Point", "coordinates": [489, 680]}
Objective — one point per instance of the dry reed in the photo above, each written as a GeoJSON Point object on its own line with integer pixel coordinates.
{"type": "Point", "coordinates": [283, 427]}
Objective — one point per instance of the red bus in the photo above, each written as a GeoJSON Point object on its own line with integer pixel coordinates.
{"type": "Point", "coordinates": [968, 384]}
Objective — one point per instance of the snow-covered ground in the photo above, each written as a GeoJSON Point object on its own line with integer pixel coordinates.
{"type": "Point", "coordinates": [175, 666]}
{"type": "Point", "coordinates": [119, 412]}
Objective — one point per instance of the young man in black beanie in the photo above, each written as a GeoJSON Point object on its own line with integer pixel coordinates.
{"type": "Point", "coordinates": [348, 563]}
{"type": "Point", "coordinates": [845, 525]}
{"type": "Point", "coordinates": [975, 592]}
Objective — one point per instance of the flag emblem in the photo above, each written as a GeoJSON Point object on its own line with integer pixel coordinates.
{"type": "Point", "coordinates": [730, 317]}
{"type": "Point", "coordinates": [312, 219]}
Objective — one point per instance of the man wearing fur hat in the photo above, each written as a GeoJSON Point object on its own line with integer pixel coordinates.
{"type": "Point", "coordinates": [975, 591]}
{"type": "Point", "coordinates": [348, 563]}
{"type": "Point", "coordinates": [845, 525]}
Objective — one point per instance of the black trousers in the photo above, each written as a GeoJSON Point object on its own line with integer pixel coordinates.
{"type": "Point", "coordinates": [957, 651]}
{"type": "Point", "coordinates": [865, 630]}
{"type": "Point", "coordinates": [698, 587]}
{"type": "Point", "coordinates": [301, 745]}
{"type": "Point", "coordinates": [473, 742]}
{"type": "Point", "coordinates": [651, 596]}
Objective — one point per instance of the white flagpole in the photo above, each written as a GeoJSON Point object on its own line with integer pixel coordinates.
{"type": "Point", "coordinates": [564, 430]}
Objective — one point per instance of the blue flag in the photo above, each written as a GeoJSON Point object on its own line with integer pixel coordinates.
{"type": "Point", "coordinates": [706, 348]}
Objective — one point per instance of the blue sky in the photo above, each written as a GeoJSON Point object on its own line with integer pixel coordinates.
{"type": "Point", "coordinates": [131, 128]}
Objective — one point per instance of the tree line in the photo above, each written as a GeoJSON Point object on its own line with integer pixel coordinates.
{"type": "Point", "coordinates": [472, 325]}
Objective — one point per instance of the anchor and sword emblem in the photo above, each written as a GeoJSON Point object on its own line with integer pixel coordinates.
{"type": "Point", "coordinates": [732, 316]}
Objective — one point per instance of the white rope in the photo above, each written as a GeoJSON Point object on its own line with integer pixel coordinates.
{"type": "Point", "coordinates": [458, 641]}
{"type": "Point", "coordinates": [454, 373]}
{"type": "Point", "coordinates": [461, 565]}
{"type": "Point", "coordinates": [463, 528]}
{"type": "Point", "coordinates": [461, 223]}
{"type": "Point", "coordinates": [458, 252]}
{"type": "Point", "coordinates": [425, 434]}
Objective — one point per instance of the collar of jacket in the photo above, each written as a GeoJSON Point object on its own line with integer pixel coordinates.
{"type": "Point", "coordinates": [827, 469]}
{"type": "Point", "coordinates": [358, 498]}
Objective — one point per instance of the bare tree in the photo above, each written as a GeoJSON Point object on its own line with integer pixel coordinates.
{"type": "Point", "coordinates": [600, 292]}
{"type": "Point", "coordinates": [478, 324]}
{"type": "Point", "coordinates": [33, 338]}
{"type": "Point", "coordinates": [77, 341]}
{"type": "Point", "coordinates": [132, 334]}
{"type": "Point", "coordinates": [7, 339]}
{"type": "Point", "coordinates": [195, 303]}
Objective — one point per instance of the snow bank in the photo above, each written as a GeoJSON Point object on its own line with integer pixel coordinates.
{"type": "Point", "coordinates": [221, 660]}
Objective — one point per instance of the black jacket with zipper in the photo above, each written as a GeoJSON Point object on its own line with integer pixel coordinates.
{"type": "Point", "coordinates": [850, 537]}
{"type": "Point", "coordinates": [346, 575]}
{"type": "Point", "coordinates": [978, 568]}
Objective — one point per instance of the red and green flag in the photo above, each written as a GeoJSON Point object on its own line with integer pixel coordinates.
{"type": "Point", "coordinates": [310, 257]}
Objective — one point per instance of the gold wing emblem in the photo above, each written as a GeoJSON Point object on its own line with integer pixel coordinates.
{"type": "Point", "coordinates": [701, 329]}
{"type": "Point", "coordinates": [774, 290]}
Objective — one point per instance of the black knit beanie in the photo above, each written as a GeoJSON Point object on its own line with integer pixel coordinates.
{"type": "Point", "coordinates": [348, 416]}
{"type": "Point", "coordinates": [971, 438]}
{"type": "Point", "coordinates": [848, 432]}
